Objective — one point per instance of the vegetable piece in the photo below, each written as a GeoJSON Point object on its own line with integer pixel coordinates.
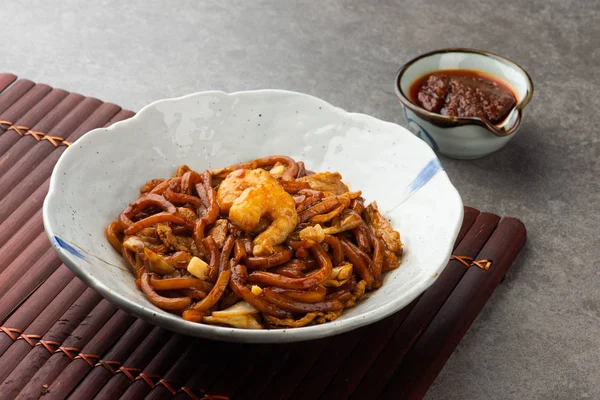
{"type": "Point", "coordinates": [239, 308]}
{"type": "Point", "coordinates": [198, 268]}
{"type": "Point", "coordinates": [236, 321]}
{"type": "Point", "coordinates": [349, 220]}
{"type": "Point", "coordinates": [256, 290]}
{"type": "Point", "coordinates": [339, 275]}
{"type": "Point", "coordinates": [157, 264]}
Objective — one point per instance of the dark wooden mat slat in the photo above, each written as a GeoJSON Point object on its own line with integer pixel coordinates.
{"type": "Point", "coordinates": [20, 108]}
{"type": "Point", "coordinates": [39, 326]}
{"type": "Point", "coordinates": [37, 271]}
{"type": "Point", "coordinates": [14, 144]}
{"type": "Point", "coordinates": [89, 356]}
{"type": "Point", "coordinates": [334, 357]}
{"type": "Point", "coordinates": [47, 114]}
{"type": "Point", "coordinates": [212, 369]}
{"type": "Point", "coordinates": [135, 363]}
{"type": "Point", "coordinates": [240, 367]}
{"type": "Point", "coordinates": [33, 305]}
{"type": "Point", "coordinates": [70, 348]}
{"type": "Point", "coordinates": [18, 243]}
{"type": "Point", "coordinates": [427, 357]}
{"type": "Point", "coordinates": [217, 362]}
{"type": "Point", "coordinates": [86, 115]}
{"type": "Point", "coordinates": [112, 361]}
{"type": "Point", "coordinates": [11, 147]}
{"type": "Point", "coordinates": [179, 372]}
{"type": "Point", "coordinates": [264, 372]}
{"type": "Point", "coordinates": [364, 353]}
{"type": "Point", "coordinates": [12, 95]}
{"type": "Point", "coordinates": [291, 374]}
{"type": "Point", "coordinates": [156, 369]}
{"type": "Point", "coordinates": [15, 289]}
{"type": "Point", "coordinates": [113, 347]}
{"type": "Point", "coordinates": [36, 358]}
{"type": "Point", "coordinates": [389, 356]}
{"type": "Point", "coordinates": [377, 336]}
{"type": "Point", "coordinates": [23, 213]}
{"type": "Point", "coordinates": [34, 168]}
{"type": "Point", "coordinates": [6, 80]}
{"type": "Point", "coordinates": [325, 368]}
{"type": "Point", "coordinates": [38, 153]}
{"type": "Point", "coordinates": [470, 215]}
{"type": "Point", "coordinates": [41, 269]}
{"type": "Point", "coordinates": [13, 242]}
{"type": "Point", "coordinates": [33, 203]}
{"type": "Point", "coordinates": [16, 293]}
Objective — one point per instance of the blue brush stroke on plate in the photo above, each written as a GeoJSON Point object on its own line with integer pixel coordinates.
{"type": "Point", "coordinates": [424, 176]}
{"type": "Point", "coordinates": [428, 172]}
{"type": "Point", "coordinates": [64, 245]}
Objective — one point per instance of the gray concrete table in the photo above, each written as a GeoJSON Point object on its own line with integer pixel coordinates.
{"type": "Point", "coordinates": [538, 337]}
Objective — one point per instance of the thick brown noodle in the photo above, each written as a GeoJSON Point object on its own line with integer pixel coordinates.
{"type": "Point", "coordinates": [334, 249]}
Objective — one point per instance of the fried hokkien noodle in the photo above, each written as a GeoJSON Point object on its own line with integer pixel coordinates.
{"type": "Point", "coordinates": [262, 244]}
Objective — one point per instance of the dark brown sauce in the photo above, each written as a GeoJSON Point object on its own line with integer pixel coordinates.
{"type": "Point", "coordinates": [464, 93]}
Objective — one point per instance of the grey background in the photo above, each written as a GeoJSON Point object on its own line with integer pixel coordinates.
{"type": "Point", "coordinates": [538, 337]}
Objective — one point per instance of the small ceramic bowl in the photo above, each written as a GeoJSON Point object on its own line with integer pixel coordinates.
{"type": "Point", "coordinates": [464, 138]}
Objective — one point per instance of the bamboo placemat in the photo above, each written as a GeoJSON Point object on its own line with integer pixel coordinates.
{"type": "Point", "coordinates": [60, 339]}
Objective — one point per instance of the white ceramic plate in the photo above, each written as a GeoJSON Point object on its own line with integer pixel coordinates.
{"type": "Point", "coordinates": [102, 172]}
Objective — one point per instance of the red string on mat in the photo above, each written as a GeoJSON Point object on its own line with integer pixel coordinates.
{"type": "Point", "coordinates": [18, 129]}
{"type": "Point", "coordinates": [39, 136]}
{"type": "Point", "coordinates": [469, 262]}
{"type": "Point", "coordinates": [127, 372]}
{"type": "Point", "coordinates": [36, 135]}
{"type": "Point", "coordinates": [483, 264]}
{"type": "Point", "coordinates": [53, 139]}
{"type": "Point", "coordinates": [47, 344]}
{"type": "Point", "coordinates": [189, 392]}
{"type": "Point", "coordinates": [148, 378]}
{"type": "Point", "coordinates": [67, 351]}
{"type": "Point", "coordinates": [88, 358]}
{"type": "Point", "coordinates": [29, 338]}
{"type": "Point", "coordinates": [109, 365]}
{"type": "Point", "coordinates": [10, 332]}
{"type": "Point", "coordinates": [166, 384]}
{"type": "Point", "coordinates": [464, 260]}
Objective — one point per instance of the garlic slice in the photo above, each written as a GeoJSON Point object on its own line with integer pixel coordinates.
{"type": "Point", "coordinates": [198, 268]}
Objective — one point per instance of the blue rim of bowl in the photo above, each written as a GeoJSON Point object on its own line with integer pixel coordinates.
{"type": "Point", "coordinates": [178, 324]}
{"type": "Point", "coordinates": [448, 121]}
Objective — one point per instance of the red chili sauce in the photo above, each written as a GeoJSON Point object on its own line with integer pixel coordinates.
{"type": "Point", "coordinates": [464, 93]}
